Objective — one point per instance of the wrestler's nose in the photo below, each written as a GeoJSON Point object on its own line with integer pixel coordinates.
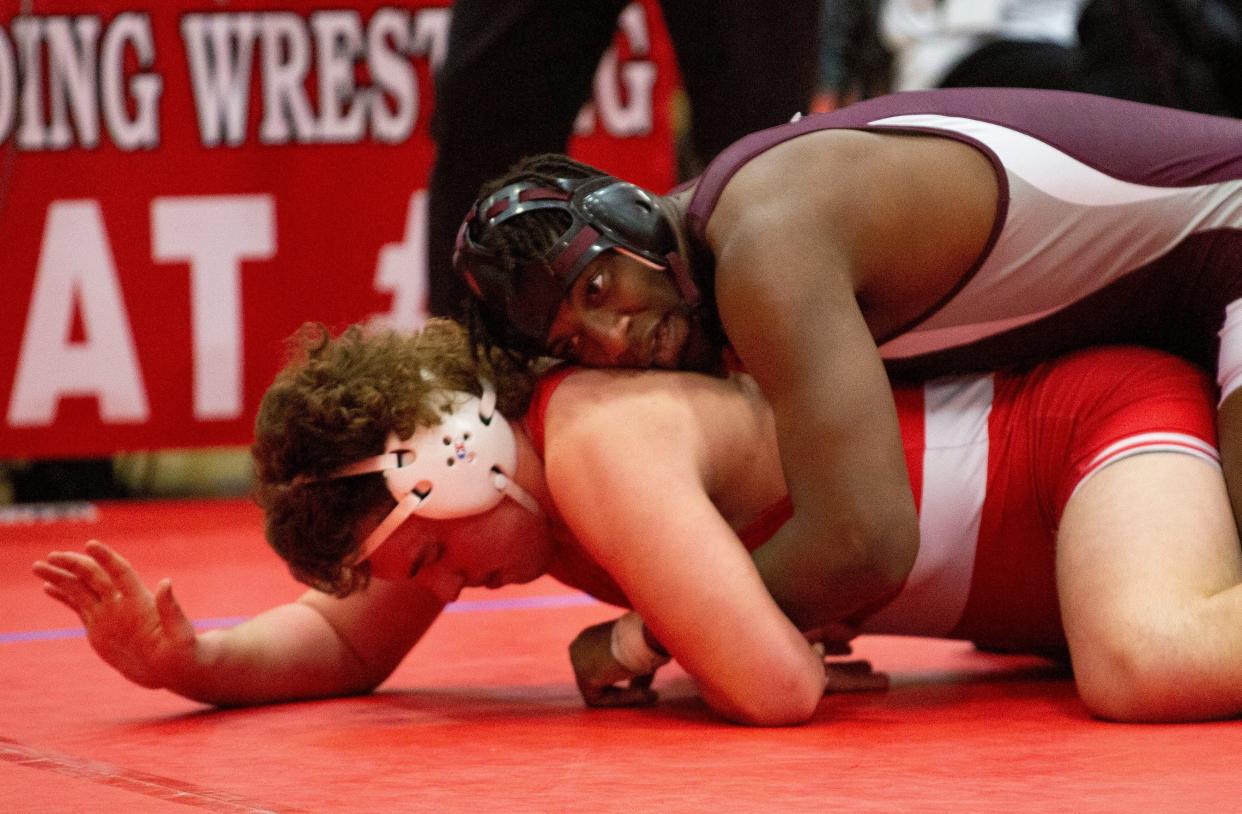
{"type": "Point", "coordinates": [608, 335]}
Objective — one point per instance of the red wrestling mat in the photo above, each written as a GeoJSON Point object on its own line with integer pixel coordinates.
{"type": "Point", "coordinates": [484, 714]}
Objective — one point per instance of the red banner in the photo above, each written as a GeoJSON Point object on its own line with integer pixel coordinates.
{"type": "Point", "coordinates": [181, 187]}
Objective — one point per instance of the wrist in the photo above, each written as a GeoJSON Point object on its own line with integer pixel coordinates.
{"type": "Point", "coordinates": [653, 642]}
{"type": "Point", "coordinates": [194, 673]}
{"type": "Point", "coordinates": [631, 648]}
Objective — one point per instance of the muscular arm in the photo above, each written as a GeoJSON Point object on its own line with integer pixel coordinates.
{"type": "Point", "coordinates": [787, 301]}
{"type": "Point", "coordinates": [315, 647]}
{"type": "Point", "coordinates": [631, 461]}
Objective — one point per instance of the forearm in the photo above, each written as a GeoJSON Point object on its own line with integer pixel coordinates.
{"type": "Point", "coordinates": [289, 652]}
{"type": "Point", "coordinates": [829, 573]}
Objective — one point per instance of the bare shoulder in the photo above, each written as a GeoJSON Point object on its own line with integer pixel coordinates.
{"type": "Point", "coordinates": [796, 212]}
{"type": "Point", "coordinates": [797, 177]}
{"type": "Point", "coordinates": [591, 396]}
{"type": "Point", "coordinates": [893, 217]}
{"type": "Point", "coordinates": [631, 413]}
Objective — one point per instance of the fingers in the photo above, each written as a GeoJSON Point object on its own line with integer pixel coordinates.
{"type": "Point", "coordinates": [60, 596]}
{"type": "Point", "coordinates": [64, 585]}
{"type": "Point", "coordinates": [85, 582]}
{"type": "Point", "coordinates": [854, 676]}
{"type": "Point", "coordinates": [622, 696]}
{"type": "Point", "coordinates": [834, 638]}
{"type": "Point", "coordinates": [172, 618]}
{"type": "Point", "coordinates": [642, 682]}
{"type": "Point", "coordinates": [85, 571]}
{"type": "Point", "coordinates": [118, 569]}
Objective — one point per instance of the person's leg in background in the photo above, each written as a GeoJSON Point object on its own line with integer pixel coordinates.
{"type": "Point", "coordinates": [513, 79]}
{"type": "Point", "coordinates": [745, 66]}
{"type": "Point", "coordinates": [1016, 64]}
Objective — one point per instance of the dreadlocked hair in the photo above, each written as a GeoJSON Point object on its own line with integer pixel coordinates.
{"type": "Point", "coordinates": [335, 402]}
{"type": "Point", "coordinates": [519, 244]}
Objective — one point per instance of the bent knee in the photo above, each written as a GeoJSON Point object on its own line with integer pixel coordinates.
{"type": "Point", "coordinates": [1132, 684]}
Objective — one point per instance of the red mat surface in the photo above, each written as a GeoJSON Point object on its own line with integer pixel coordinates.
{"type": "Point", "coordinates": [484, 715]}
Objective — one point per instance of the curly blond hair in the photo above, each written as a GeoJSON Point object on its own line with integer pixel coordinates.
{"type": "Point", "coordinates": [335, 402]}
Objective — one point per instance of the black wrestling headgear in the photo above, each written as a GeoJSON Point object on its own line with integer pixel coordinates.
{"type": "Point", "coordinates": [606, 213]}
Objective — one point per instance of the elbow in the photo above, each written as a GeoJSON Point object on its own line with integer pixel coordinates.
{"type": "Point", "coordinates": [898, 541]}
{"type": "Point", "coordinates": [871, 569]}
{"type": "Point", "coordinates": [883, 555]}
{"type": "Point", "coordinates": [826, 569]}
{"type": "Point", "coordinates": [774, 701]}
{"type": "Point", "coordinates": [790, 710]}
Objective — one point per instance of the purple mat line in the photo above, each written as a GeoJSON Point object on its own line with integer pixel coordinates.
{"type": "Point", "coordinates": [467, 606]}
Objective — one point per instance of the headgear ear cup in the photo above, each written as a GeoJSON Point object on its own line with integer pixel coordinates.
{"type": "Point", "coordinates": [630, 217]}
{"type": "Point", "coordinates": [461, 467]}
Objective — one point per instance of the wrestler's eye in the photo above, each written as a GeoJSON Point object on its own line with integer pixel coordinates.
{"type": "Point", "coordinates": [595, 288]}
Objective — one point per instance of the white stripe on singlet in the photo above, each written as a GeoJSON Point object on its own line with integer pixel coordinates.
{"type": "Point", "coordinates": [1149, 442]}
{"type": "Point", "coordinates": [1070, 230]}
{"type": "Point", "coordinates": [955, 473]}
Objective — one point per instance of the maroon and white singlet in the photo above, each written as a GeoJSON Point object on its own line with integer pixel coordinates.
{"type": "Point", "coordinates": [1117, 223]}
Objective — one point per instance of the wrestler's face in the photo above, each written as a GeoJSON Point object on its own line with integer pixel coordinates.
{"type": "Point", "coordinates": [624, 311]}
{"type": "Point", "coordinates": [506, 544]}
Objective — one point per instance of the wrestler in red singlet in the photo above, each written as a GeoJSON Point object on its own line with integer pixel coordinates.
{"type": "Point", "coordinates": [993, 460]}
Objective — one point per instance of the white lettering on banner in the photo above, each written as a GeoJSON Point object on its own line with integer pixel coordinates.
{"type": "Point", "coordinates": [64, 62]}
{"type": "Point", "coordinates": [286, 61]}
{"type": "Point", "coordinates": [338, 42]}
{"type": "Point", "coordinates": [400, 269]}
{"type": "Point", "coordinates": [623, 89]}
{"type": "Point", "coordinates": [214, 234]}
{"type": "Point", "coordinates": [221, 50]}
{"type": "Point", "coordinates": [76, 275]}
{"type": "Point", "coordinates": [394, 75]}
{"type": "Point", "coordinates": [61, 77]}
{"type": "Point", "coordinates": [8, 87]}
{"type": "Point", "coordinates": [431, 27]}
{"type": "Point", "coordinates": [28, 34]}
{"type": "Point", "coordinates": [72, 57]}
{"type": "Point", "coordinates": [142, 130]}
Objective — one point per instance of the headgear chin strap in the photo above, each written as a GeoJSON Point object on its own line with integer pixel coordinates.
{"type": "Point", "coordinates": [461, 467]}
{"type": "Point", "coordinates": [605, 213]}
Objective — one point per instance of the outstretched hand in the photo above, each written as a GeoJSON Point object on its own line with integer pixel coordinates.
{"type": "Point", "coordinates": [144, 636]}
{"type": "Point", "coordinates": [599, 674]}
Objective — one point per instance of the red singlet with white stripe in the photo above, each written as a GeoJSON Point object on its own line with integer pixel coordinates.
{"type": "Point", "coordinates": [993, 460]}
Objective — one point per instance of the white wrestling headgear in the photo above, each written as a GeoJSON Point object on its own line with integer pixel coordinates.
{"type": "Point", "coordinates": [463, 466]}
